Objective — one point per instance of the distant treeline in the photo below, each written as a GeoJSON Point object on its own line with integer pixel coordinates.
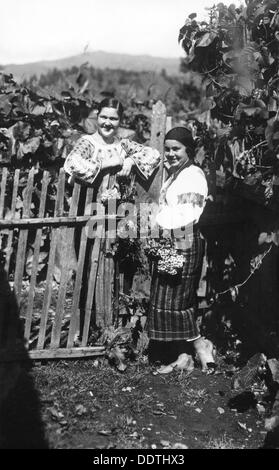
{"type": "Point", "coordinates": [140, 89]}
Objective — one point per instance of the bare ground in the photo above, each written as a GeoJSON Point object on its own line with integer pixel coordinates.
{"type": "Point", "coordinates": [87, 404]}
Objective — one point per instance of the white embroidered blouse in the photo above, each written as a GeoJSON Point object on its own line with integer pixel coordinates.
{"type": "Point", "coordinates": [182, 199]}
{"type": "Point", "coordinates": [84, 161]}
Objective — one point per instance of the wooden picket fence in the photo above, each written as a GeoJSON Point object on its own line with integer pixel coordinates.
{"type": "Point", "coordinates": [49, 311]}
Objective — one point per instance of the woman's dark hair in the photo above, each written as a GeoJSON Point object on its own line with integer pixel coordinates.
{"type": "Point", "coordinates": [184, 136]}
{"type": "Point", "coordinates": [111, 103]}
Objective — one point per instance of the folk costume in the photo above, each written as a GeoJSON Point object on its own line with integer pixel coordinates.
{"type": "Point", "coordinates": [84, 165]}
{"type": "Point", "coordinates": [85, 160]}
{"type": "Point", "coordinates": [172, 316]}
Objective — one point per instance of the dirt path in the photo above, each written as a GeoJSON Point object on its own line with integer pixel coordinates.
{"type": "Point", "coordinates": [88, 404]}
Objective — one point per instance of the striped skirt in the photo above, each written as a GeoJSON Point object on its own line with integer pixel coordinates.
{"type": "Point", "coordinates": [172, 313]}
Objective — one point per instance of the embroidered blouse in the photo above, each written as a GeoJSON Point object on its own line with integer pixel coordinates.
{"type": "Point", "coordinates": [182, 200]}
{"type": "Point", "coordinates": [84, 161]}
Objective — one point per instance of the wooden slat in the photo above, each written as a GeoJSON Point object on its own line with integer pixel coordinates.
{"type": "Point", "coordinates": [108, 263]}
{"type": "Point", "coordinates": [109, 288]}
{"type": "Point", "coordinates": [2, 204]}
{"type": "Point", "coordinates": [51, 221]}
{"type": "Point", "coordinates": [103, 186]}
{"type": "Point", "coordinates": [3, 191]}
{"type": "Point", "coordinates": [116, 292]}
{"type": "Point", "coordinates": [168, 128]}
{"type": "Point", "coordinates": [94, 282]}
{"type": "Point", "coordinates": [67, 353]}
{"type": "Point", "coordinates": [158, 131]}
{"type": "Point", "coordinates": [94, 268]}
{"type": "Point", "coordinates": [49, 279]}
{"type": "Point", "coordinates": [158, 126]}
{"type": "Point", "coordinates": [149, 190]}
{"type": "Point", "coordinates": [100, 297]}
{"type": "Point", "coordinates": [74, 221]}
{"type": "Point", "coordinates": [121, 282]}
{"type": "Point", "coordinates": [107, 300]}
{"type": "Point", "coordinates": [104, 287]}
{"type": "Point", "coordinates": [8, 318]}
{"type": "Point", "coordinates": [168, 123]}
{"type": "Point", "coordinates": [100, 290]}
{"type": "Point", "coordinates": [13, 208]}
{"type": "Point", "coordinates": [59, 314]}
{"type": "Point", "coordinates": [92, 285]}
{"type": "Point", "coordinates": [36, 254]}
{"type": "Point", "coordinates": [40, 354]}
{"type": "Point", "coordinates": [74, 322]}
{"type": "Point", "coordinates": [22, 241]}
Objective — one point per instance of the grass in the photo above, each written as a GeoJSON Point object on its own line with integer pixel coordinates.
{"type": "Point", "coordinates": [194, 396]}
{"type": "Point", "coordinates": [222, 443]}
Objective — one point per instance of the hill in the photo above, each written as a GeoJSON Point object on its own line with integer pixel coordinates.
{"type": "Point", "coordinates": [98, 59]}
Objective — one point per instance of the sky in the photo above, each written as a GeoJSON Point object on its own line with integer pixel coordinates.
{"type": "Point", "coordinates": [34, 30]}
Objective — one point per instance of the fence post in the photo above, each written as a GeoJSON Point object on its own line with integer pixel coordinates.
{"type": "Point", "coordinates": [148, 191]}
{"type": "Point", "coordinates": [158, 126]}
{"type": "Point", "coordinates": [168, 123]}
{"type": "Point", "coordinates": [158, 131]}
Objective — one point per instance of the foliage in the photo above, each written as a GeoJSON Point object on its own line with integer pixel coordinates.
{"type": "Point", "coordinates": [41, 119]}
{"type": "Point", "coordinates": [137, 91]}
{"type": "Point", "coordinates": [233, 58]}
{"type": "Point", "coordinates": [38, 128]}
{"type": "Point", "coordinates": [231, 64]}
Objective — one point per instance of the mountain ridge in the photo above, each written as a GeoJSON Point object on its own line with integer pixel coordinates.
{"type": "Point", "coordinates": [97, 59]}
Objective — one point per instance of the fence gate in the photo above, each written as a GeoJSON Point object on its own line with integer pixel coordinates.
{"type": "Point", "coordinates": [42, 271]}
{"type": "Point", "coordinates": [42, 276]}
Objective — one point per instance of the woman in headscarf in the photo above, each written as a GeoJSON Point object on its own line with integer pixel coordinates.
{"type": "Point", "coordinates": [171, 323]}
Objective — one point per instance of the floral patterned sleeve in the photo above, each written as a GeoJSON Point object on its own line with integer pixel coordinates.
{"type": "Point", "coordinates": [80, 163]}
{"type": "Point", "coordinates": [191, 198]}
{"type": "Point", "coordinates": [146, 158]}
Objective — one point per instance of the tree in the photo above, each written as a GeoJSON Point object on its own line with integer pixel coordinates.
{"type": "Point", "coordinates": [231, 60]}
{"type": "Point", "coordinates": [235, 57]}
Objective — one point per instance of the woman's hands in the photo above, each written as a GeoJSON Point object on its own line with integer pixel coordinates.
{"type": "Point", "coordinates": [115, 160]}
{"type": "Point", "coordinates": [127, 167]}
{"type": "Point", "coordinates": [112, 162]}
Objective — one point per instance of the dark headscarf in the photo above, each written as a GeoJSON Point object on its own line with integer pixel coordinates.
{"type": "Point", "coordinates": [184, 136]}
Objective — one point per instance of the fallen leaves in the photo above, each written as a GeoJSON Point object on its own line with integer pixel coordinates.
{"type": "Point", "coordinates": [244, 426]}
{"type": "Point", "coordinates": [169, 445]}
{"type": "Point", "coordinates": [56, 415]}
{"type": "Point", "coordinates": [105, 432]}
{"type": "Point", "coordinates": [158, 412]}
{"type": "Point", "coordinates": [80, 410]}
{"type": "Point", "coordinates": [260, 409]}
{"type": "Point", "coordinates": [127, 389]}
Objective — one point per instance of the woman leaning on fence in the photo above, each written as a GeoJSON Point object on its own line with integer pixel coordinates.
{"type": "Point", "coordinates": [100, 159]}
{"type": "Point", "coordinates": [172, 326]}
